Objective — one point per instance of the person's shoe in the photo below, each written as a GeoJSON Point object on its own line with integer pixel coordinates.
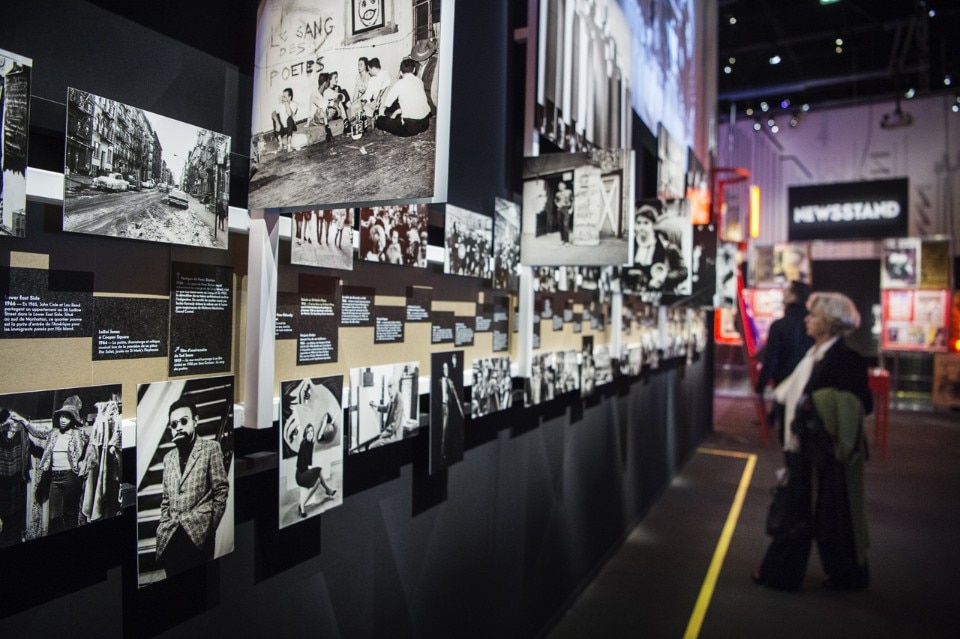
{"type": "Point", "coordinates": [331, 492]}
{"type": "Point", "coordinates": [301, 511]}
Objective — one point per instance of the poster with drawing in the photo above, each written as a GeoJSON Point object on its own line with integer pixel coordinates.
{"type": "Point", "coordinates": [15, 72]}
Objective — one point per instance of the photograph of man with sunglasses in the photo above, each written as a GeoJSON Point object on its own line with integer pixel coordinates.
{"type": "Point", "coordinates": [195, 489]}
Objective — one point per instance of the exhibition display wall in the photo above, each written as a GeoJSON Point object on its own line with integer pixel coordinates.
{"type": "Point", "coordinates": [483, 528]}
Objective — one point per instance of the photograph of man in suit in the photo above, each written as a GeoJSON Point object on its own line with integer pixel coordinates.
{"type": "Point", "coordinates": [195, 489]}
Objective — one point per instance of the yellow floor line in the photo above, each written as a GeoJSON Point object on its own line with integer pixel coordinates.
{"type": "Point", "coordinates": [710, 581]}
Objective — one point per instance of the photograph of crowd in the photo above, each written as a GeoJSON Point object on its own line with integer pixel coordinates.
{"type": "Point", "coordinates": [350, 102]}
{"type": "Point", "coordinates": [588, 367]}
{"type": "Point", "coordinates": [492, 389]}
{"type": "Point", "coordinates": [467, 236]}
{"type": "Point", "coordinates": [15, 73]}
{"type": "Point", "coordinates": [134, 174]}
{"type": "Point", "coordinates": [60, 460]}
{"type": "Point", "coordinates": [395, 234]}
{"type": "Point", "coordinates": [323, 238]}
{"type": "Point", "coordinates": [506, 244]}
{"type": "Point", "coordinates": [311, 447]}
{"type": "Point", "coordinates": [577, 208]}
{"type": "Point", "coordinates": [662, 252]}
{"type": "Point", "coordinates": [447, 413]}
{"type": "Point", "coordinates": [727, 274]}
{"type": "Point", "coordinates": [568, 371]}
{"type": "Point", "coordinates": [384, 405]}
{"type": "Point", "coordinates": [184, 475]}
{"type": "Point", "coordinates": [583, 96]}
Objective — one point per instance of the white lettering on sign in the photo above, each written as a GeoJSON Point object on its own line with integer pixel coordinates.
{"type": "Point", "coordinates": [846, 212]}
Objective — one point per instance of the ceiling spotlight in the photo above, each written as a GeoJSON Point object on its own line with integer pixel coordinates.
{"type": "Point", "coordinates": [775, 129]}
{"type": "Point", "coordinates": [910, 93]}
{"type": "Point", "coordinates": [728, 70]}
{"type": "Point", "coordinates": [839, 49]}
{"type": "Point", "coordinates": [757, 126]}
{"type": "Point", "coordinates": [749, 111]}
{"type": "Point", "coordinates": [794, 119]}
{"type": "Point", "coordinates": [784, 104]}
{"type": "Point", "coordinates": [838, 42]}
{"type": "Point", "coordinates": [932, 12]}
{"type": "Point", "coordinates": [955, 108]}
{"type": "Point", "coordinates": [733, 20]}
{"type": "Point", "coordinates": [771, 123]}
{"type": "Point", "coordinates": [732, 60]}
{"type": "Point", "coordinates": [764, 107]}
{"type": "Point", "coordinates": [805, 107]}
{"type": "Point", "coordinates": [775, 60]}
{"type": "Point", "coordinates": [947, 80]}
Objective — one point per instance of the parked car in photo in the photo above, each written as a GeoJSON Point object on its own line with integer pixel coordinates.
{"type": "Point", "coordinates": [177, 197]}
{"type": "Point", "coordinates": [163, 187]}
{"type": "Point", "coordinates": [148, 184]}
{"type": "Point", "coordinates": [133, 181]}
{"type": "Point", "coordinates": [110, 182]}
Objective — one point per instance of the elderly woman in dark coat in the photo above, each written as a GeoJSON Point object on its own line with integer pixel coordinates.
{"type": "Point", "coordinates": [826, 398]}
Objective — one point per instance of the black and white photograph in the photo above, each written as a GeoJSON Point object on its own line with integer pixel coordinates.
{"type": "Point", "coordinates": [184, 475]}
{"type": "Point", "coordinates": [384, 405]}
{"type": "Point", "coordinates": [603, 365]}
{"type": "Point", "coordinates": [671, 166]}
{"type": "Point", "coordinates": [467, 238]}
{"type": "Point", "coordinates": [568, 371]}
{"type": "Point", "coordinates": [541, 386]}
{"type": "Point", "coordinates": [396, 234]}
{"type": "Point", "coordinates": [900, 263]}
{"type": "Point", "coordinates": [662, 252]}
{"type": "Point", "coordinates": [323, 238]}
{"type": "Point", "coordinates": [350, 102]}
{"type": "Point", "coordinates": [138, 175]}
{"type": "Point", "coordinates": [584, 75]}
{"type": "Point", "coordinates": [61, 454]}
{"type": "Point", "coordinates": [588, 367]}
{"type": "Point", "coordinates": [447, 414]}
{"type": "Point", "coordinates": [506, 244]}
{"type": "Point", "coordinates": [762, 267]}
{"type": "Point", "coordinates": [675, 334]}
{"type": "Point", "coordinates": [727, 274]}
{"type": "Point", "coordinates": [15, 74]}
{"type": "Point", "coordinates": [311, 447]}
{"type": "Point", "coordinates": [492, 389]}
{"type": "Point", "coordinates": [576, 208]}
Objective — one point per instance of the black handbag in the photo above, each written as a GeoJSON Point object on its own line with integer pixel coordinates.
{"type": "Point", "coordinates": [806, 422]}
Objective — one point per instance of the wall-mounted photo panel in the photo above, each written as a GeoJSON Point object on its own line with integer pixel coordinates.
{"type": "Point", "coordinates": [791, 263]}
{"type": "Point", "coordinates": [447, 415]}
{"type": "Point", "coordinates": [727, 273]}
{"type": "Point", "coordinates": [568, 371]}
{"type": "Point", "coordinates": [15, 73]}
{"type": "Point", "coordinates": [935, 263]}
{"type": "Point", "coordinates": [395, 234]}
{"type": "Point", "coordinates": [603, 365]}
{"type": "Point", "coordinates": [583, 78]}
{"type": "Point", "coordinates": [762, 267]}
{"type": "Point", "coordinates": [323, 238]}
{"type": "Point", "coordinates": [588, 367]}
{"type": "Point", "coordinates": [663, 250]}
{"type": "Point", "coordinates": [577, 208]}
{"type": "Point", "coordinates": [541, 386]}
{"type": "Point", "coordinates": [467, 238]}
{"type": "Point", "coordinates": [915, 320]}
{"type": "Point", "coordinates": [62, 460]}
{"type": "Point", "coordinates": [350, 102]}
{"type": "Point", "coordinates": [492, 389]}
{"type": "Point", "coordinates": [946, 380]}
{"type": "Point", "coordinates": [384, 405]}
{"type": "Point", "coordinates": [138, 175]}
{"type": "Point", "coordinates": [311, 447]}
{"type": "Point", "coordinates": [506, 244]}
{"type": "Point", "coordinates": [671, 166]}
{"type": "Point", "coordinates": [184, 475]}
{"type": "Point", "coordinates": [901, 259]}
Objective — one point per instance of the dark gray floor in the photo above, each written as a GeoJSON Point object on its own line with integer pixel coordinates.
{"type": "Point", "coordinates": [650, 586]}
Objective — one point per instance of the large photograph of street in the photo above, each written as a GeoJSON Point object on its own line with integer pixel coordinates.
{"type": "Point", "coordinates": [348, 103]}
{"type": "Point", "coordinates": [134, 174]}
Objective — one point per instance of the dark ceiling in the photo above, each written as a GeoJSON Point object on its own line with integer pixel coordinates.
{"type": "Point", "coordinates": [887, 47]}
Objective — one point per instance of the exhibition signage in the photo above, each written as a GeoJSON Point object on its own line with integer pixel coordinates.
{"type": "Point", "coordinates": [852, 210]}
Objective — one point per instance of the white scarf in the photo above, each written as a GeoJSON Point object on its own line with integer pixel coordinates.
{"type": "Point", "coordinates": [789, 391]}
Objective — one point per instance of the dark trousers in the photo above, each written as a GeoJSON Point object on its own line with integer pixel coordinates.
{"type": "Point", "coordinates": [65, 496]}
{"type": "Point", "coordinates": [13, 509]}
{"type": "Point", "coordinates": [181, 553]}
{"type": "Point", "coordinates": [401, 126]}
{"type": "Point", "coordinates": [785, 563]}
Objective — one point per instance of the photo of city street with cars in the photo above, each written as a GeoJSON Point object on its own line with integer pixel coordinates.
{"type": "Point", "coordinates": [134, 174]}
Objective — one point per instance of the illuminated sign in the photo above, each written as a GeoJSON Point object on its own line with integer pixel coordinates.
{"type": "Point", "coordinates": [852, 210]}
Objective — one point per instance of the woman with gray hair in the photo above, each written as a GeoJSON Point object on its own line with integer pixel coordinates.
{"type": "Point", "coordinates": [826, 398]}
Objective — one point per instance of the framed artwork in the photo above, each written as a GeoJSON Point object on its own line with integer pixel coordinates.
{"type": "Point", "coordinates": [384, 405]}
{"type": "Point", "coordinates": [447, 414]}
{"type": "Point", "coordinates": [915, 320]}
{"type": "Point", "coordinates": [367, 15]}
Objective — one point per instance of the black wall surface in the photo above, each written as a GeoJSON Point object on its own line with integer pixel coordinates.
{"type": "Point", "coordinates": [495, 546]}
